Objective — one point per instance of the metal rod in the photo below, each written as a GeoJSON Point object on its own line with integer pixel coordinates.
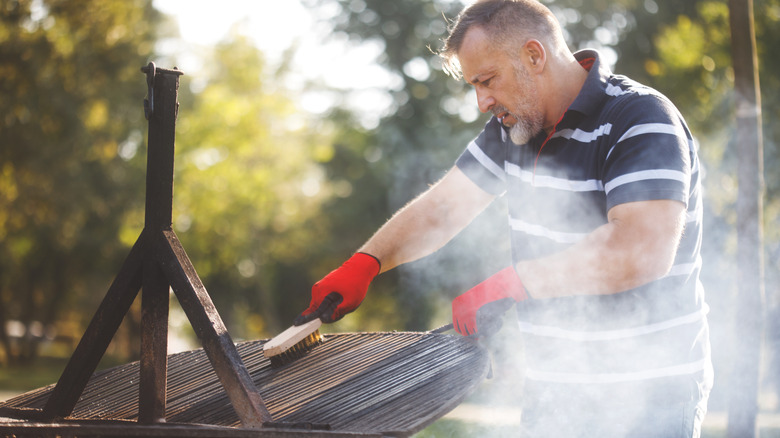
{"type": "Point", "coordinates": [161, 112]}
{"type": "Point", "coordinates": [208, 325]}
{"type": "Point", "coordinates": [97, 337]}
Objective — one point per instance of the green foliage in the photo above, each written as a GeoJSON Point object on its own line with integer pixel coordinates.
{"type": "Point", "coordinates": [24, 378]}
{"type": "Point", "coordinates": [431, 120]}
{"type": "Point", "coordinates": [693, 65]}
{"type": "Point", "coordinates": [462, 429]}
{"type": "Point", "coordinates": [69, 79]}
{"type": "Point", "coordinates": [247, 191]}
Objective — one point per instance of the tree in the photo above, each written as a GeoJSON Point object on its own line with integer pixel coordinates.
{"type": "Point", "coordinates": [247, 189]}
{"type": "Point", "coordinates": [71, 105]}
{"type": "Point", "coordinates": [694, 61]}
{"type": "Point", "coordinates": [430, 121]}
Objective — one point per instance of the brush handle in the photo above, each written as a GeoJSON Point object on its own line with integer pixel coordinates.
{"type": "Point", "coordinates": [323, 312]}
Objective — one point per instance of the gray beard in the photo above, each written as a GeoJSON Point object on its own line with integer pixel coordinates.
{"type": "Point", "coordinates": [522, 132]}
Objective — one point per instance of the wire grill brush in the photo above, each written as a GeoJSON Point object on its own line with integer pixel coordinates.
{"type": "Point", "coordinates": [293, 343]}
{"type": "Point", "coordinates": [299, 339]}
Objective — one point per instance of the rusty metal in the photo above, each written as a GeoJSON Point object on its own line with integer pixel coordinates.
{"type": "Point", "coordinates": [209, 327]}
{"type": "Point", "coordinates": [157, 262]}
{"type": "Point", "coordinates": [151, 73]}
{"type": "Point", "coordinates": [161, 113]}
{"type": "Point", "coordinates": [122, 429]}
{"type": "Point", "coordinates": [97, 337]}
{"type": "Point", "coordinates": [370, 384]}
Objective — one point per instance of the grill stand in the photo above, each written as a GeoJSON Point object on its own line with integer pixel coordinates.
{"type": "Point", "coordinates": [394, 387]}
{"type": "Point", "coordinates": [156, 263]}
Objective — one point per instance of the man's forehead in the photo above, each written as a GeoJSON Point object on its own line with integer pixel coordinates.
{"type": "Point", "coordinates": [477, 55]}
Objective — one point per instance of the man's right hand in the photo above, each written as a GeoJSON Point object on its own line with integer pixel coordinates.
{"type": "Point", "coordinates": [349, 282]}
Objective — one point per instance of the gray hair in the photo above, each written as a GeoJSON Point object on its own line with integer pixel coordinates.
{"type": "Point", "coordinates": [510, 23]}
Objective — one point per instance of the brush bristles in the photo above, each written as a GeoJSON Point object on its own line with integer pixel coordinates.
{"type": "Point", "coordinates": [296, 351]}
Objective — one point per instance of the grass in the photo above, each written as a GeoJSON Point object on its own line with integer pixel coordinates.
{"type": "Point", "coordinates": [41, 372]}
{"type": "Point", "coordinates": [459, 429]}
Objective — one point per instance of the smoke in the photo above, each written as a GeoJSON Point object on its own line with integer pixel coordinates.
{"type": "Point", "coordinates": [719, 278]}
{"type": "Point", "coordinates": [483, 248]}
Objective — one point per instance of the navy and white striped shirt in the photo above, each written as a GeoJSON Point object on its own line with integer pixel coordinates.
{"type": "Point", "coordinates": [618, 142]}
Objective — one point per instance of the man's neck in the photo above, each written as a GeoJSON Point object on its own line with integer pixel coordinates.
{"type": "Point", "coordinates": [569, 82]}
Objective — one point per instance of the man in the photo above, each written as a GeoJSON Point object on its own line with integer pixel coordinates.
{"type": "Point", "coordinates": [602, 182]}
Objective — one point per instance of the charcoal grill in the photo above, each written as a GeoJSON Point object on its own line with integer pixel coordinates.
{"type": "Point", "coordinates": [354, 384]}
{"type": "Point", "coordinates": [358, 384]}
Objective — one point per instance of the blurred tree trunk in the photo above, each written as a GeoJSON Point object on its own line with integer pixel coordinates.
{"type": "Point", "coordinates": [750, 310]}
{"type": "Point", "coordinates": [6, 358]}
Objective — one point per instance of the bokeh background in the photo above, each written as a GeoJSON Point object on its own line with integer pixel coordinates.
{"type": "Point", "coordinates": [303, 125]}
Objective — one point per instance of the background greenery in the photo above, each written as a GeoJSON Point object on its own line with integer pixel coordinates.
{"type": "Point", "coordinates": [269, 198]}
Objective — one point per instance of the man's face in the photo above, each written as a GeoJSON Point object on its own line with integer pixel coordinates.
{"type": "Point", "coordinates": [503, 85]}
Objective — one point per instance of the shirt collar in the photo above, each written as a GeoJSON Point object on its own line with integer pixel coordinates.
{"type": "Point", "coordinates": [593, 92]}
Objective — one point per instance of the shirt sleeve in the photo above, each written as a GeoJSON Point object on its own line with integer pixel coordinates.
{"type": "Point", "coordinates": [651, 155]}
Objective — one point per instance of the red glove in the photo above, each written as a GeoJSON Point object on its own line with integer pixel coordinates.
{"type": "Point", "coordinates": [341, 291]}
{"type": "Point", "coordinates": [494, 292]}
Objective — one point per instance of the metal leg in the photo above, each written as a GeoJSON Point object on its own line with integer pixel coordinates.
{"type": "Point", "coordinates": [212, 332]}
{"type": "Point", "coordinates": [156, 262]}
{"type": "Point", "coordinates": [154, 345]}
{"type": "Point", "coordinates": [101, 330]}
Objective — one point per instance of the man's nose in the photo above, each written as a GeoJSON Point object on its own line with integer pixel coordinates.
{"type": "Point", "coordinates": [485, 101]}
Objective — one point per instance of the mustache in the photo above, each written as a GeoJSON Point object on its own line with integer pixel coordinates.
{"type": "Point", "coordinates": [501, 112]}
{"type": "Point", "coordinates": [497, 110]}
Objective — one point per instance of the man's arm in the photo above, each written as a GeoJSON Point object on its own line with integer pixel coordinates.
{"type": "Point", "coordinates": [636, 246]}
{"type": "Point", "coordinates": [429, 221]}
{"type": "Point", "coordinates": [418, 229]}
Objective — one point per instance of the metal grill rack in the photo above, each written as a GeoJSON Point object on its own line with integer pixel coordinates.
{"type": "Point", "coordinates": [360, 384]}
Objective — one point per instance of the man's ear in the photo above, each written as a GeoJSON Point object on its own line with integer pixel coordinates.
{"type": "Point", "coordinates": [535, 54]}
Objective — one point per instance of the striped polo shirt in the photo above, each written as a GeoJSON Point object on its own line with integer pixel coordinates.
{"type": "Point", "coordinates": [618, 142]}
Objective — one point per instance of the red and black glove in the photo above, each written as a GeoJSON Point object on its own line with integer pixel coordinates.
{"type": "Point", "coordinates": [481, 307]}
{"type": "Point", "coordinates": [341, 291]}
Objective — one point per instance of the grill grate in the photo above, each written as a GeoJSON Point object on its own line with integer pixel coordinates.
{"type": "Point", "coordinates": [387, 382]}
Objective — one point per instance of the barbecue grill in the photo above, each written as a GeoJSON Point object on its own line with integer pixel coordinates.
{"type": "Point", "coordinates": [354, 384]}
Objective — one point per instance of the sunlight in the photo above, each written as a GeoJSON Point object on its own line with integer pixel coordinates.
{"type": "Point", "coordinates": [275, 27]}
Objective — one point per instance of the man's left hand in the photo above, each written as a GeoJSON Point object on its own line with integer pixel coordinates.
{"type": "Point", "coordinates": [489, 299]}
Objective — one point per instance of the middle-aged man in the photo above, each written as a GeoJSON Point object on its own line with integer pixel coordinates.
{"type": "Point", "coordinates": [602, 183]}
